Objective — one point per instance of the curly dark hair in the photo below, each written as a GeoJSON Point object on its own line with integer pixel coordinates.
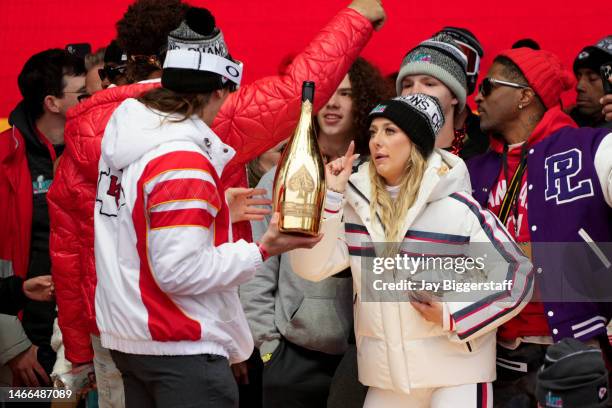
{"type": "Point", "coordinates": [143, 31]}
{"type": "Point", "coordinates": [144, 28]}
{"type": "Point", "coordinates": [369, 87]}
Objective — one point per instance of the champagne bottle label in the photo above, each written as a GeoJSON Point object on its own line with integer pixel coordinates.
{"type": "Point", "coordinates": [299, 186]}
{"type": "Point", "coordinates": [302, 182]}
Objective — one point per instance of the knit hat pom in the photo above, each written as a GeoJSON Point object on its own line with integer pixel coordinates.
{"type": "Point", "coordinates": [200, 20]}
{"type": "Point", "coordinates": [567, 80]}
{"type": "Point", "coordinates": [198, 60]}
{"type": "Point", "coordinates": [443, 37]}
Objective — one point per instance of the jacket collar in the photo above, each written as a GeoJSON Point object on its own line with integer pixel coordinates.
{"type": "Point", "coordinates": [215, 150]}
{"type": "Point", "coordinates": [20, 119]}
{"type": "Point", "coordinates": [439, 164]}
{"type": "Point", "coordinates": [135, 129]}
{"type": "Point", "coordinates": [11, 145]}
{"type": "Point", "coordinates": [553, 120]}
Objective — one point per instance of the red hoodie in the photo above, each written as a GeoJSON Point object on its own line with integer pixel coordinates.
{"type": "Point", "coordinates": [531, 320]}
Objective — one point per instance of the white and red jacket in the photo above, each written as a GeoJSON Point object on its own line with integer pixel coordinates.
{"type": "Point", "coordinates": [168, 274]}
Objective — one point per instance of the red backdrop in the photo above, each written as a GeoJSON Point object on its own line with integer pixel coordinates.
{"type": "Point", "coordinates": [260, 33]}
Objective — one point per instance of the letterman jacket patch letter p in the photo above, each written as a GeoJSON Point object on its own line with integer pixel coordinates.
{"type": "Point", "coordinates": [561, 182]}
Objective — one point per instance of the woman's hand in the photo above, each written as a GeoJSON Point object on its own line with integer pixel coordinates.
{"type": "Point", "coordinates": [431, 311]}
{"type": "Point", "coordinates": [337, 172]}
{"type": "Point", "coordinates": [242, 204]}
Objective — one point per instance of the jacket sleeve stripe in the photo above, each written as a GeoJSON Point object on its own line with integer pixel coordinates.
{"type": "Point", "coordinates": [177, 174]}
{"type": "Point", "coordinates": [183, 205]}
{"type": "Point", "coordinates": [521, 281]}
{"type": "Point", "coordinates": [355, 228]}
{"type": "Point", "coordinates": [185, 190]}
{"type": "Point", "coordinates": [502, 312]}
{"type": "Point", "coordinates": [179, 164]}
{"type": "Point", "coordinates": [180, 218]}
{"type": "Point", "coordinates": [437, 237]}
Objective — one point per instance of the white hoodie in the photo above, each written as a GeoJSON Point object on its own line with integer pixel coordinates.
{"type": "Point", "coordinates": [168, 275]}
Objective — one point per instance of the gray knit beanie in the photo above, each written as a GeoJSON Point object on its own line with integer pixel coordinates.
{"type": "Point", "coordinates": [440, 58]}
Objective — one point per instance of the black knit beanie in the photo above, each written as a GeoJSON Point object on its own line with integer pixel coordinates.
{"type": "Point", "coordinates": [418, 115]}
{"type": "Point", "coordinates": [114, 54]}
{"type": "Point", "coordinates": [574, 375]}
{"type": "Point", "coordinates": [594, 56]}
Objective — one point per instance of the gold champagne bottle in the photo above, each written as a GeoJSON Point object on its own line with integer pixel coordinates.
{"type": "Point", "coordinates": [299, 183]}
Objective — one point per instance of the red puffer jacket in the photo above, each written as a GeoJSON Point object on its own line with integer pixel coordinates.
{"type": "Point", "coordinates": [15, 205]}
{"type": "Point", "coordinates": [252, 120]}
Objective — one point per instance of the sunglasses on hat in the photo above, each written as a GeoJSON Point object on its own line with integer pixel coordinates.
{"type": "Point", "coordinates": [111, 72]}
{"type": "Point", "coordinates": [473, 59]}
{"type": "Point", "coordinates": [487, 85]}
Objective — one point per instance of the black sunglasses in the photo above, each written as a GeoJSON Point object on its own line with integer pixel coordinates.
{"type": "Point", "coordinates": [83, 97]}
{"type": "Point", "coordinates": [111, 72]}
{"type": "Point", "coordinates": [487, 85]}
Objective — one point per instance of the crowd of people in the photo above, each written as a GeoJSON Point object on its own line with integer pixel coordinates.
{"type": "Point", "coordinates": [141, 244]}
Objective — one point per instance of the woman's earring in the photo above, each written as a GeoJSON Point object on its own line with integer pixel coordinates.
{"type": "Point", "coordinates": [520, 106]}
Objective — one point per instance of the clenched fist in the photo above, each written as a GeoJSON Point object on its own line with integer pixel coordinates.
{"type": "Point", "coordinates": [372, 10]}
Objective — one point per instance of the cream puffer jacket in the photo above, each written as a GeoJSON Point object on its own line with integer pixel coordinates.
{"type": "Point", "coordinates": [397, 348]}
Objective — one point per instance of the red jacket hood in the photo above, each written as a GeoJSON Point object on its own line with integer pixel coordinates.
{"type": "Point", "coordinates": [85, 123]}
{"type": "Point", "coordinates": [553, 120]}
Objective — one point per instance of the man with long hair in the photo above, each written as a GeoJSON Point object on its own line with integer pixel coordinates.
{"type": "Point", "coordinates": [142, 33]}
{"type": "Point", "coordinates": [167, 301]}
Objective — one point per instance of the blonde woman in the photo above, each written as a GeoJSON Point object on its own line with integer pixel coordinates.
{"type": "Point", "coordinates": [414, 351]}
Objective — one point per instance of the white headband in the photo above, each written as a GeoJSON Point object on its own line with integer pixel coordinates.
{"type": "Point", "coordinates": [427, 105]}
{"type": "Point", "coordinates": [204, 61]}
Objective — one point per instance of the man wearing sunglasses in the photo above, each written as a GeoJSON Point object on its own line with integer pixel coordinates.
{"type": "Point", "coordinates": [548, 181]}
{"type": "Point", "coordinates": [50, 83]}
{"type": "Point", "coordinates": [115, 65]}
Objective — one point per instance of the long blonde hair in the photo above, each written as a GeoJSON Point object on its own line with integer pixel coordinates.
{"type": "Point", "coordinates": [392, 212]}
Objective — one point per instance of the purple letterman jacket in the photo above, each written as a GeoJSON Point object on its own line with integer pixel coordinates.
{"type": "Point", "coordinates": [564, 195]}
